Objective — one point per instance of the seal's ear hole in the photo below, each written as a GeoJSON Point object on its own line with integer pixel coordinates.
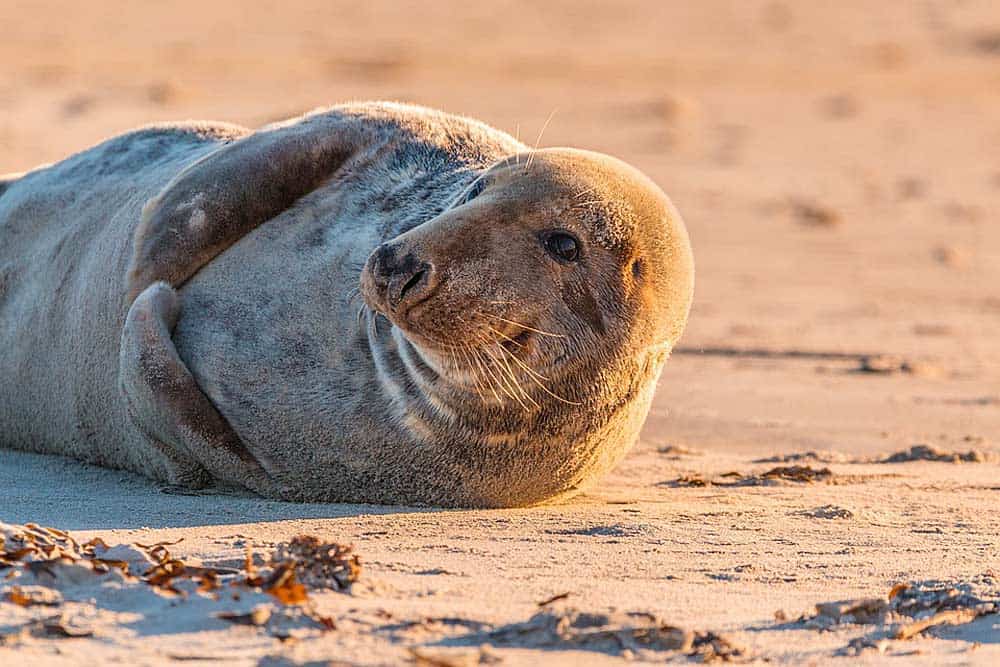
{"type": "Point", "coordinates": [638, 268]}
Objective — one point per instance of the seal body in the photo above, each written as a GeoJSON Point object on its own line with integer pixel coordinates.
{"type": "Point", "coordinates": [65, 245]}
{"type": "Point", "coordinates": [315, 310]}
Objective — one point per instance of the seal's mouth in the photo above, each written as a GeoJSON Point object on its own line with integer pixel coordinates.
{"type": "Point", "coordinates": [517, 342]}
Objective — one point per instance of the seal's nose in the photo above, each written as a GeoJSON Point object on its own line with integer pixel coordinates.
{"type": "Point", "coordinates": [400, 277]}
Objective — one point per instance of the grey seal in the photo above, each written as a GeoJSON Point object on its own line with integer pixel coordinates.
{"type": "Point", "coordinates": [374, 302]}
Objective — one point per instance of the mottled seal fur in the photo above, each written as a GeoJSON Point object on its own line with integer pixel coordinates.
{"type": "Point", "coordinates": [373, 302]}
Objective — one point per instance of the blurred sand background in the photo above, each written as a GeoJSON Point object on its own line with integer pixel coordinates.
{"type": "Point", "coordinates": [836, 164]}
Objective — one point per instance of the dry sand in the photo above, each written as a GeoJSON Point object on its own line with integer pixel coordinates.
{"type": "Point", "coordinates": [837, 169]}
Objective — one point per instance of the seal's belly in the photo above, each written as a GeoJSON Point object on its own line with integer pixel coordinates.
{"type": "Point", "coordinates": [271, 333]}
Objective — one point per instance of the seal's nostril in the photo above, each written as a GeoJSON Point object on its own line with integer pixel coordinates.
{"type": "Point", "coordinates": [385, 260]}
{"type": "Point", "coordinates": [412, 282]}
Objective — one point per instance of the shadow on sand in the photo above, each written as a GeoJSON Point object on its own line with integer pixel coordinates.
{"type": "Point", "coordinates": [55, 491]}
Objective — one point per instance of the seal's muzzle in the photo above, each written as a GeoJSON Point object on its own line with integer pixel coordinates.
{"type": "Point", "coordinates": [397, 280]}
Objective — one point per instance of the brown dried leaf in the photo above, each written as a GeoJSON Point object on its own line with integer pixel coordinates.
{"type": "Point", "coordinates": [48, 532]}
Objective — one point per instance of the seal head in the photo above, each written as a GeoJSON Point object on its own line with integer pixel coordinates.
{"type": "Point", "coordinates": [553, 288]}
{"type": "Point", "coordinates": [561, 257]}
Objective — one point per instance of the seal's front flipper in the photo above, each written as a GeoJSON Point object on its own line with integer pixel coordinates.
{"type": "Point", "coordinates": [166, 404]}
{"type": "Point", "coordinates": [217, 200]}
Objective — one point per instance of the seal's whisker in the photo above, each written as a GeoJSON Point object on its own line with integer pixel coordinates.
{"type": "Point", "coordinates": [491, 364]}
{"type": "Point", "coordinates": [505, 336]}
{"type": "Point", "coordinates": [353, 296]}
{"type": "Point", "coordinates": [481, 380]}
{"type": "Point", "coordinates": [531, 376]}
{"type": "Point", "coordinates": [503, 368]}
{"type": "Point", "coordinates": [588, 203]}
{"type": "Point", "coordinates": [525, 326]}
{"type": "Point", "coordinates": [523, 365]}
{"type": "Point", "coordinates": [520, 363]}
{"type": "Point", "coordinates": [477, 385]}
{"type": "Point", "coordinates": [510, 388]}
{"type": "Point", "coordinates": [517, 137]}
{"type": "Point", "coordinates": [527, 163]}
{"type": "Point", "coordinates": [506, 369]}
{"type": "Point", "coordinates": [472, 370]}
{"type": "Point", "coordinates": [486, 375]}
{"type": "Point", "coordinates": [488, 368]}
{"type": "Point", "coordinates": [584, 192]}
{"type": "Point", "coordinates": [513, 377]}
{"type": "Point", "coordinates": [477, 380]}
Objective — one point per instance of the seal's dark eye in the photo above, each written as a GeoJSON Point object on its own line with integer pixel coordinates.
{"type": "Point", "coordinates": [562, 246]}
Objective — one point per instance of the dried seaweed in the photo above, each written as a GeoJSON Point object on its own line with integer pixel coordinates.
{"type": "Point", "coordinates": [59, 626]}
{"type": "Point", "coordinates": [320, 564]}
{"type": "Point", "coordinates": [29, 596]}
{"type": "Point", "coordinates": [806, 474]}
{"type": "Point", "coordinates": [905, 612]}
{"type": "Point", "coordinates": [284, 587]}
{"type": "Point", "coordinates": [812, 455]}
{"type": "Point", "coordinates": [689, 481]}
{"type": "Point", "coordinates": [614, 633]}
{"type": "Point", "coordinates": [827, 512]}
{"type": "Point", "coordinates": [50, 627]}
{"type": "Point", "coordinates": [712, 647]}
{"type": "Point", "coordinates": [781, 474]}
{"type": "Point", "coordinates": [258, 616]}
{"type": "Point", "coordinates": [555, 598]}
{"type": "Point", "coordinates": [676, 452]}
{"type": "Point", "coordinates": [948, 617]}
{"type": "Point", "coordinates": [52, 554]}
{"type": "Point", "coordinates": [931, 453]}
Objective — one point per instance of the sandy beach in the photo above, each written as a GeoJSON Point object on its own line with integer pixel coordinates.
{"type": "Point", "coordinates": [828, 429]}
